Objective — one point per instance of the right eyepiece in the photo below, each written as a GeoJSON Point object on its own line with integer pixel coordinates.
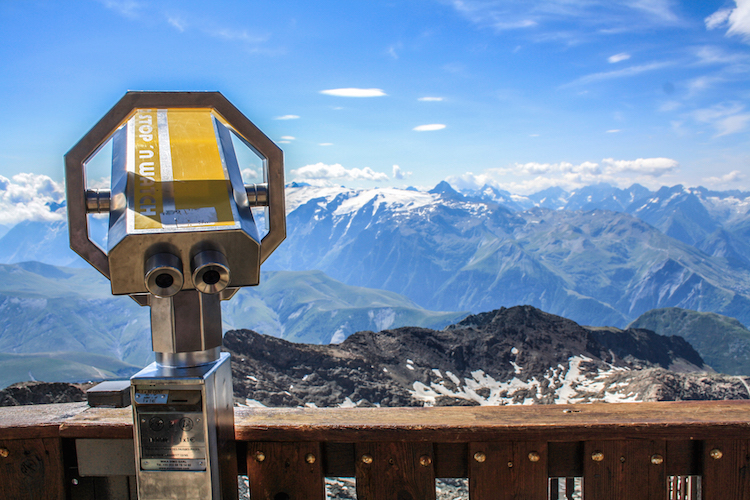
{"type": "Point", "coordinates": [210, 272]}
{"type": "Point", "coordinates": [164, 274]}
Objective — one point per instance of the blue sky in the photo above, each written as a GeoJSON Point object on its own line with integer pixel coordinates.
{"type": "Point", "coordinates": [522, 94]}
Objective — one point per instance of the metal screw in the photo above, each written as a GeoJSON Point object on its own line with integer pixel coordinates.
{"type": "Point", "coordinates": [716, 454]}
{"type": "Point", "coordinates": [310, 458]}
{"type": "Point", "coordinates": [622, 459]}
{"type": "Point", "coordinates": [480, 457]}
{"type": "Point", "coordinates": [75, 482]}
{"type": "Point", "coordinates": [510, 465]}
{"type": "Point", "coordinates": [597, 456]}
{"type": "Point", "coordinates": [534, 456]}
{"type": "Point", "coordinates": [657, 459]}
{"type": "Point", "coordinates": [259, 456]}
{"type": "Point", "coordinates": [425, 461]}
{"type": "Point", "coordinates": [366, 459]}
{"type": "Point", "coordinates": [4, 452]}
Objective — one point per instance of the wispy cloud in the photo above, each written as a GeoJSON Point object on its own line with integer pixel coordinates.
{"type": "Point", "coordinates": [622, 56]}
{"type": "Point", "coordinates": [30, 197]}
{"type": "Point", "coordinates": [128, 8]}
{"type": "Point", "coordinates": [354, 92]}
{"type": "Point", "coordinates": [429, 127]}
{"type": "Point", "coordinates": [178, 23]}
{"type": "Point", "coordinates": [614, 131]}
{"type": "Point", "coordinates": [287, 117]}
{"type": "Point", "coordinates": [733, 176]}
{"type": "Point", "coordinates": [323, 172]}
{"type": "Point", "coordinates": [567, 21]}
{"type": "Point", "coordinates": [726, 118]}
{"type": "Point", "coordinates": [430, 99]}
{"type": "Point", "coordinates": [620, 73]}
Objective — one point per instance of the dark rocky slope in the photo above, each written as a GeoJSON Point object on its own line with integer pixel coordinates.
{"type": "Point", "coordinates": [508, 356]}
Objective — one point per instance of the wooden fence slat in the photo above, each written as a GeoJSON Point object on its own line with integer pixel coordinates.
{"type": "Point", "coordinates": [508, 470]}
{"type": "Point", "coordinates": [725, 470]}
{"type": "Point", "coordinates": [31, 468]}
{"type": "Point", "coordinates": [624, 470]}
{"type": "Point", "coordinates": [395, 471]}
{"type": "Point", "coordinates": [285, 471]}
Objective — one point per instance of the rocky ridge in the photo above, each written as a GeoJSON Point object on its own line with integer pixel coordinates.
{"type": "Point", "coordinates": [518, 355]}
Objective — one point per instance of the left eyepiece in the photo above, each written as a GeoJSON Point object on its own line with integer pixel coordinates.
{"type": "Point", "coordinates": [164, 274]}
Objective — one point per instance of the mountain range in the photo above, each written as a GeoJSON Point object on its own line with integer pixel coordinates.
{"type": "Point", "coordinates": [477, 251]}
{"type": "Point", "coordinates": [385, 258]}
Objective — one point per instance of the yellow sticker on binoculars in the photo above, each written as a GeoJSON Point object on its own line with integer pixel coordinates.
{"type": "Point", "coordinates": [179, 179]}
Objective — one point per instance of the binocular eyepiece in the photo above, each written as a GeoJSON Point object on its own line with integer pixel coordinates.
{"type": "Point", "coordinates": [164, 273]}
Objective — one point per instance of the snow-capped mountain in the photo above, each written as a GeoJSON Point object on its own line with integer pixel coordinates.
{"type": "Point", "coordinates": [451, 251]}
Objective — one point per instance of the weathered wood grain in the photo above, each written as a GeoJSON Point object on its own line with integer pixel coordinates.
{"type": "Point", "coordinates": [285, 471]}
{"type": "Point", "coordinates": [31, 469]}
{"type": "Point", "coordinates": [395, 471]}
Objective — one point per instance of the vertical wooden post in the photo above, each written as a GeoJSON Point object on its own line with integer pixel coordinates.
{"type": "Point", "coordinates": [725, 470]}
{"type": "Point", "coordinates": [395, 471]}
{"type": "Point", "coordinates": [285, 471]}
{"type": "Point", "coordinates": [625, 470]}
{"type": "Point", "coordinates": [32, 469]}
{"type": "Point", "coordinates": [508, 471]}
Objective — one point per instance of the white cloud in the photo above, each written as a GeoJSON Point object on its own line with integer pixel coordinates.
{"type": "Point", "coordinates": [354, 92]}
{"type": "Point", "coordinates": [733, 176]}
{"type": "Point", "coordinates": [325, 144]}
{"type": "Point", "coordinates": [179, 23]}
{"type": "Point", "coordinates": [430, 99]}
{"type": "Point", "coordinates": [400, 174]}
{"type": "Point", "coordinates": [287, 138]}
{"type": "Point", "coordinates": [622, 56]}
{"type": "Point", "coordinates": [653, 167]}
{"type": "Point", "coordinates": [287, 117]}
{"type": "Point", "coordinates": [526, 178]}
{"type": "Point", "coordinates": [249, 173]}
{"type": "Point", "coordinates": [737, 19]}
{"type": "Point", "coordinates": [321, 171]}
{"type": "Point", "coordinates": [430, 127]}
{"type": "Point", "coordinates": [614, 131]}
{"type": "Point", "coordinates": [30, 197]}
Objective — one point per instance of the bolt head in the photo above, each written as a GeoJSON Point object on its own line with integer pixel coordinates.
{"type": "Point", "coordinates": [425, 461]}
{"type": "Point", "coordinates": [534, 457]}
{"type": "Point", "coordinates": [657, 459]}
{"type": "Point", "coordinates": [4, 452]}
{"type": "Point", "coordinates": [480, 457]}
{"type": "Point", "coordinates": [597, 456]}
{"type": "Point", "coordinates": [366, 459]}
{"type": "Point", "coordinates": [310, 458]}
{"type": "Point", "coordinates": [716, 453]}
{"type": "Point", "coordinates": [259, 456]}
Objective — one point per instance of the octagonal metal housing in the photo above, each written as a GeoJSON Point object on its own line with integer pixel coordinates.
{"type": "Point", "coordinates": [176, 188]}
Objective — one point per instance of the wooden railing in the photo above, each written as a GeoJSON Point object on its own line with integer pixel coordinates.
{"type": "Point", "coordinates": [675, 451]}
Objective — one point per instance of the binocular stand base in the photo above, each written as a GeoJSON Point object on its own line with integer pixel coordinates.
{"type": "Point", "coordinates": [184, 431]}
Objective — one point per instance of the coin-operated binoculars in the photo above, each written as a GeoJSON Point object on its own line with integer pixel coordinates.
{"type": "Point", "coordinates": [181, 238]}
